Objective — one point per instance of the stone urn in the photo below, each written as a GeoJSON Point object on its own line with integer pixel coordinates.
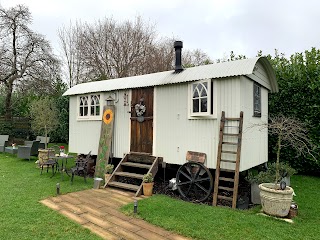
{"type": "Point", "coordinates": [274, 201]}
{"type": "Point", "coordinates": [44, 154]}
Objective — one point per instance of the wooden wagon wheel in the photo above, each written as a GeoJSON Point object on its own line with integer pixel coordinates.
{"type": "Point", "coordinates": [194, 181]}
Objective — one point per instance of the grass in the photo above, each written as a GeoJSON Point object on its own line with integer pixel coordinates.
{"type": "Point", "coordinates": [206, 222]}
{"type": "Point", "coordinates": [21, 214]}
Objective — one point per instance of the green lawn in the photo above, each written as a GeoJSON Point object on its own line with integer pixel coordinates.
{"type": "Point", "coordinates": [21, 214]}
{"type": "Point", "coordinates": [206, 222]}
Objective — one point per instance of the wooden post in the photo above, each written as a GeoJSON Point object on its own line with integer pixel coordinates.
{"type": "Point", "coordinates": [105, 140]}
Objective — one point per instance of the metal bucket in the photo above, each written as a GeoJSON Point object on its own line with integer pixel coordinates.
{"type": "Point", "coordinates": [97, 183]}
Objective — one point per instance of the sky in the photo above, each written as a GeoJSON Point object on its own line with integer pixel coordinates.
{"type": "Point", "coordinates": [215, 26]}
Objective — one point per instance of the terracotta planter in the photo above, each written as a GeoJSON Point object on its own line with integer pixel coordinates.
{"type": "Point", "coordinates": [147, 188]}
{"type": "Point", "coordinates": [275, 202]}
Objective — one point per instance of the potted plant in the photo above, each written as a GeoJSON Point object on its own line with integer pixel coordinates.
{"type": "Point", "coordinates": [267, 175]}
{"type": "Point", "coordinates": [276, 198]}
{"type": "Point", "coordinates": [108, 172]}
{"type": "Point", "coordinates": [147, 183]}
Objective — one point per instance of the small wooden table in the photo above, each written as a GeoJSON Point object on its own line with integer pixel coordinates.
{"type": "Point", "coordinates": [11, 150]}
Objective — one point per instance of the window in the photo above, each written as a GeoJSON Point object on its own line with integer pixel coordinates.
{"type": "Point", "coordinates": [201, 98]}
{"type": "Point", "coordinates": [89, 107]}
{"type": "Point", "coordinates": [256, 100]}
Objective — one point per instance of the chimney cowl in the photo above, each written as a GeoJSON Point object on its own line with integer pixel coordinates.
{"type": "Point", "coordinates": [178, 46]}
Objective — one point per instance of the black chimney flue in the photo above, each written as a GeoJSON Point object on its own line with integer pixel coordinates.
{"type": "Point", "coordinates": [178, 46]}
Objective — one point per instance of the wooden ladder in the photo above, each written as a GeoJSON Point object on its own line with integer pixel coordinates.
{"type": "Point", "coordinates": [132, 167]}
{"type": "Point", "coordinates": [230, 138]}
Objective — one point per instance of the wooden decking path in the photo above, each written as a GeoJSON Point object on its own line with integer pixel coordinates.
{"type": "Point", "coordinates": [97, 210]}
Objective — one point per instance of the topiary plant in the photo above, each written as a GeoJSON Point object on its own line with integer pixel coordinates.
{"type": "Point", "coordinates": [109, 168]}
{"type": "Point", "coordinates": [147, 178]}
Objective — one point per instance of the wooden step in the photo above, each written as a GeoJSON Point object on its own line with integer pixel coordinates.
{"type": "Point", "coordinates": [226, 160]}
{"type": "Point", "coordinates": [226, 179]}
{"type": "Point", "coordinates": [130, 175]}
{"type": "Point", "coordinates": [226, 188]}
{"type": "Point", "coordinates": [137, 165]}
{"type": "Point", "coordinates": [225, 198]}
{"type": "Point", "coordinates": [124, 185]}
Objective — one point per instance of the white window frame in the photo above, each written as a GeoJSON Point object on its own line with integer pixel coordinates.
{"type": "Point", "coordinates": [89, 116]}
{"type": "Point", "coordinates": [210, 95]}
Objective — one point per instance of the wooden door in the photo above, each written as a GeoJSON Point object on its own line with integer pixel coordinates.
{"type": "Point", "coordinates": [142, 120]}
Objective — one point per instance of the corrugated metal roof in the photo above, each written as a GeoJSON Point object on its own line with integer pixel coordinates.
{"type": "Point", "coordinates": [217, 70]}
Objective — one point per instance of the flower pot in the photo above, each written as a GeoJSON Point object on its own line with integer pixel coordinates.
{"type": "Point", "coordinates": [275, 202]}
{"type": "Point", "coordinates": [147, 188]}
{"type": "Point", "coordinates": [106, 177]}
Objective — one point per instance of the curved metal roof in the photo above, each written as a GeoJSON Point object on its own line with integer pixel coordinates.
{"type": "Point", "coordinates": [217, 70]}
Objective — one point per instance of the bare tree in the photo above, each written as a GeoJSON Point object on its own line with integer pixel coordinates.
{"type": "Point", "coordinates": [290, 132]}
{"type": "Point", "coordinates": [109, 49]}
{"type": "Point", "coordinates": [193, 58]}
{"type": "Point", "coordinates": [71, 42]}
{"type": "Point", "coordinates": [25, 55]}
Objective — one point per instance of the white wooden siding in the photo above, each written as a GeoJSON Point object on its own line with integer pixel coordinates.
{"type": "Point", "coordinates": [84, 135]}
{"type": "Point", "coordinates": [260, 75]}
{"type": "Point", "coordinates": [255, 142]}
{"type": "Point", "coordinates": [175, 134]}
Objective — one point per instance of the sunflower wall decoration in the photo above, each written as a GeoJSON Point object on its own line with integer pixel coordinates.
{"type": "Point", "coordinates": [108, 116]}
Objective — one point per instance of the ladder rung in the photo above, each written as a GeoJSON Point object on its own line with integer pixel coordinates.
{"type": "Point", "coordinates": [231, 134]}
{"type": "Point", "coordinates": [232, 119]}
{"type": "Point", "coordinates": [225, 198]}
{"type": "Point", "coordinates": [233, 152]}
{"type": "Point", "coordinates": [230, 143]}
{"type": "Point", "coordinates": [226, 170]}
{"type": "Point", "coordinates": [226, 179]}
{"type": "Point", "coordinates": [226, 188]}
{"type": "Point", "coordinates": [226, 160]}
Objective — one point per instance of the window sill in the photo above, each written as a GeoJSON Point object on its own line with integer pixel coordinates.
{"type": "Point", "coordinates": [98, 118]}
{"type": "Point", "coordinates": [201, 117]}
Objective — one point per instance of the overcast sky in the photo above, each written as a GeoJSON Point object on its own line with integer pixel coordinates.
{"type": "Point", "coordinates": [215, 26]}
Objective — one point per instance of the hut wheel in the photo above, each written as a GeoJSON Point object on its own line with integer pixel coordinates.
{"type": "Point", "coordinates": [194, 181]}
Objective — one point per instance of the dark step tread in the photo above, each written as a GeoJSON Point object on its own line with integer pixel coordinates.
{"type": "Point", "coordinates": [226, 160]}
{"type": "Point", "coordinates": [129, 174]}
{"type": "Point", "coordinates": [225, 198]}
{"type": "Point", "coordinates": [226, 179]}
{"type": "Point", "coordinates": [137, 165]}
{"type": "Point", "coordinates": [124, 185]}
{"type": "Point", "coordinates": [232, 119]}
{"type": "Point", "coordinates": [227, 170]}
{"type": "Point", "coordinates": [233, 152]}
{"type": "Point", "coordinates": [230, 143]}
{"type": "Point", "coordinates": [226, 188]}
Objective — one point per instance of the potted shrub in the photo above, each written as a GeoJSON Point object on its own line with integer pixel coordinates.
{"type": "Point", "coordinates": [108, 172]}
{"type": "Point", "coordinates": [268, 176]}
{"type": "Point", "coordinates": [276, 198]}
{"type": "Point", "coordinates": [147, 183]}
